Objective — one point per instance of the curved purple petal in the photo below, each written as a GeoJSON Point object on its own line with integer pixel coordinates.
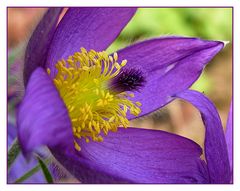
{"type": "Point", "coordinates": [229, 137]}
{"type": "Point", "coordinates": [91, 28]}
{"type": "Point", "coordinates": [42, 118]}
{"type": "Point", "coordinates": [215, 145]}
{"type": "Point", "coordinates": [39, 42]}
{"type": "Point", "coordinates": [135, 155]}
{"type": "Point", "coordinates": [169, 64]}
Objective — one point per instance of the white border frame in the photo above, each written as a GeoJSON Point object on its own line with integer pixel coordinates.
{"type": "Point", "coordinates": [3, 81]}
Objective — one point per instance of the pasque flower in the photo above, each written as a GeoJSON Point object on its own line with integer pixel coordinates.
{"type": "Point", "coordinates": [79, 100]}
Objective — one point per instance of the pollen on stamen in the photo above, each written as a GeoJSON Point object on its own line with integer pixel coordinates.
{"type": "Point", "coordinates": [93, 87]}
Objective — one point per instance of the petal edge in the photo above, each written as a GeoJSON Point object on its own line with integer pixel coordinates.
{"type": "Point", "coordinates": [42, 118]}
{"type": "Point", "coordinates": [38, 45]}
{"type": "Point", "coordinates": [135, 155]}
{"type": "Point", "coordinates": [215, 144]}
{"type": "Point", "coordinates": [169, 64]}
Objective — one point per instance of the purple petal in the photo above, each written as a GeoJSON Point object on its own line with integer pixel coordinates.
{"type": "Point", "coordinates": [229, 137]}
{"type": "Point", "coordinates": [42, 117]}
{"type": "Point", "coordinates": [39, 42]}
{"type": "Point", "coordinates": [135, 155]}
{"type": "Point", "coordinates": [91, 28]}
{"type": "Point", "coordinates": [215, 145]}
{"type": "Point", "coordinates": [169, 64]}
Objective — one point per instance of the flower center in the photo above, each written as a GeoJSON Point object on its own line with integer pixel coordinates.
{"type": "Point", "coordinates": [93, 86]}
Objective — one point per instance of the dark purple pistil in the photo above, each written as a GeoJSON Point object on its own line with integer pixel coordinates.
{"type": "Point", "coordinates": [128, 80]}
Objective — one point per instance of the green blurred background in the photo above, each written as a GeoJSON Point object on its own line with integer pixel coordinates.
{"type": "Point", "coordinates": [207, 23]}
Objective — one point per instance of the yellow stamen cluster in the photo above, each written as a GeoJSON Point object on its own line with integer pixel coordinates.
{"type": "Point", "coordinates": [82, 81]}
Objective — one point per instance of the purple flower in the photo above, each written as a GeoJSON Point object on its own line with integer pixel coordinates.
{"type": "Point", "coordinates": [75, 101]}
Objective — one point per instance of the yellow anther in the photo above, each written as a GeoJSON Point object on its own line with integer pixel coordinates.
{"type": "Point", "coordinates": [125, 108]}
{"type": "Point", "coordinates": [85, 68]}
{"type": "Point", "coordinates": [124, 62]}
{"type": "Point", "coordinates": [48, 71]}
{"type": "Point", "coordinates": [115, 56]}
{"type": "Point", "coordinates": [74, 120]}
{"type": "Point", "coordinates": [102, 93]}
{"type": "Point", "coordinates": [74, 130]}
{"type": "Point", "coordinates": [138, 103]}
{"type": "Point", "coordinates": [83, 125]}
{"type": "Point", "coordinates": [131, 95]}
{"type": "Point", "coordinates": [76, 145]}
{"type": "Point", "coordinates": [96, 81]}
{"type": "Point", "coordinates": [90, 124]}
{"type": "Point", "coordinates": [117, 66]}
{"type": "Point", "coordinates": [71, 109]}
{"type": "Point", "coordinates": [85, 118]}
{"type": "Point", "coordinates": [111, 119]}
{"type": "Point", "coordinates": [78, 129]}
{"type": "Point", "coordinates": [110, 58]}
{"type": "Point", "coordinates": [100, 139]}
{"type": "Point", "coordinates": [83, 50]}
{"type": "Point", "coordinates": [100, 102]}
